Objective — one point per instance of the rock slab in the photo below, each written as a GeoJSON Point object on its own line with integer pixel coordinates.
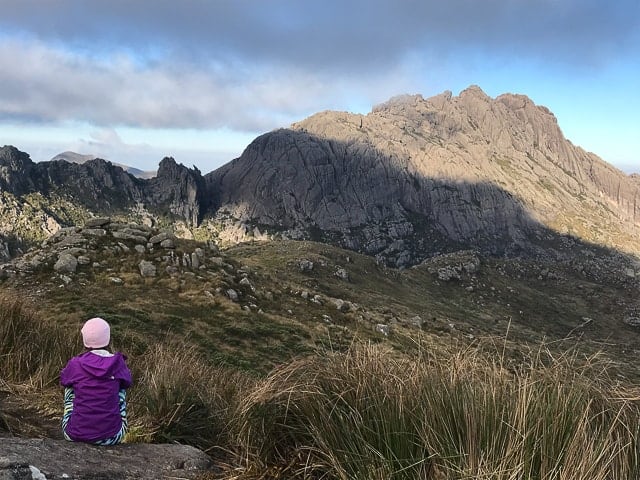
{"type": "Point", "coordinates": [20, 458]}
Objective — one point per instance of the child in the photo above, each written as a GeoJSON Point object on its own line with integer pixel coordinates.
{"type": "Point", "coordinates": [95, 408]}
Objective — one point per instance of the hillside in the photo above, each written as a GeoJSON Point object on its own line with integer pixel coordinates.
{"type": "Point", "coordinates": [257, 304]}
{"type": "Point", "coordinates": [223, 340]}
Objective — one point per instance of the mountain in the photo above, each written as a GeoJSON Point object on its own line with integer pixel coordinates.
{"type": "Point", "coordinates": [37, 199]}
{"type": "Point", "coordinates": [73, 157]}
{"type": "Point", "coordinates": [412, 179]}
{"type": "Point", "coordinates": [416, 176]}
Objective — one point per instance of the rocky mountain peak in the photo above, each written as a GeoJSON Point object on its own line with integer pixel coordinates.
{"type": "Point", "coordinates": [14, 159]}
{"type": "Point", "coordinates": [412, 178]}
{"type": "Point", "coordinates": [179, 190]}
{"type": "Point", "coordinates": [474, 91]}
{"type": "Point", "coordinates": [15, 167]}
{"type": "Point", "coordinates": [422, 175]}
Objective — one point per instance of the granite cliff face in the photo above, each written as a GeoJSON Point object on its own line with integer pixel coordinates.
{"type": "Point", "coordinates": [178, 191]}
{"type": "Point", "coordinates": [419, 175]}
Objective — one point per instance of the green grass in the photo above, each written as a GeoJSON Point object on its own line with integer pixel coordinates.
{"type": "Point", "coordinates": [370, 412]}
{"type": "Point", "coordinates": [293, 396]}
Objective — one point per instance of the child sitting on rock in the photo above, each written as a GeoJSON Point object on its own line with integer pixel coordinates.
{"type": "Point", "coordinates": [95, 407]}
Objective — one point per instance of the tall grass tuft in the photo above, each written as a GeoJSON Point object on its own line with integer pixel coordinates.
{"type": "Point", "coordinates": [369, 414]}
{"type": "Point", "coordinates": [348, 416]}
{"type": "Point", "coordinates": [179, 397]}
{"type": "Point", "coordinates": [32, 349]}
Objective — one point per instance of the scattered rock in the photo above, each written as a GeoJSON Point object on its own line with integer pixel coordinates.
{"type": "Point", "coordinates": [172, 270]}
{"type": "Point", "coordinates": [217, 261]}
{"type": "Point", "coordinates": [147, 269]}
{"type": "Point", "coordinates": [124, 247]}
{"type": "Point", "coordinates": [84, 260]}
{"type": "Point", "coordinates": [97, 222]}
{"type": "Point", "coordinates": [448, 273]}
{"type": "Point", "coordinates": [233, 295]}
{"type": "Point", "coordinates": [383, 329]}
{"type": "Point", "coordinates": [66, 263]}
{"type": "Point", "coordinates": [341, 305]}
{"type": "Point", "coordinates": [246, 283]}
{"type": "Point", "coordinates": [195, 261]}
{"type": "Point", "coordinates": [159, 237]}
{"type": "Point", "coordinates": [168, 243]}
{"type": "Point", "coordinates": [342, 274]}
{"type": "Point", "coordinates": [140, 248]}
{"type": "Point", "coordinates": [305, 265]}
{"type": "Point", "coordinates": [632, 321]}
{"type": "Point", "coordinates": [130, 236]}
{"type": "Point", "coordinates": [94, 232]}
{"type": "Point", "coordinates": [415, 321]}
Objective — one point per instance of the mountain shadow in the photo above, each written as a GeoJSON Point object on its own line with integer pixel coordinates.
{"type": "Point", "coordinates": [356, 196]}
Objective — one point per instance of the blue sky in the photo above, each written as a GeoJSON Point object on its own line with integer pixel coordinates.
{"type": "Point", "coordinates": [134, 81]}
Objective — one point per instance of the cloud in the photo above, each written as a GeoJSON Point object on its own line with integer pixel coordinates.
{"type": "Point", "coordinates": [43, 84]}
{"type": "Point", "coordinates": [253, 65]}
{"type": "Point", "coordinates": [334, 35]}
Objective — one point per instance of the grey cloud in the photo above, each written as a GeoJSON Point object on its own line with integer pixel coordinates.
{"type": "Point", "coordinates": [48, 85]}
{"type": "Point", "coordinates": [253, 65]}
{"type": "Point", "coordinates": [336, 35]}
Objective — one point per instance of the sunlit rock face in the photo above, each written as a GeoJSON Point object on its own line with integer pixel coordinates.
{"type": "Point", "coordinates": [425, 175]}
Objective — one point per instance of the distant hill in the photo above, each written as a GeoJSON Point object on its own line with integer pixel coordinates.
{"type": "Point", "coordinates": [73, 157]}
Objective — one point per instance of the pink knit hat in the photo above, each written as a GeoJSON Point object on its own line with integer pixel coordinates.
{"type": "Point", "coordinates": [96, 333]}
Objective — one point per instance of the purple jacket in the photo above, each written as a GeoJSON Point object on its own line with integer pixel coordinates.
{"type": "Point", "coordinates": [96, 381]}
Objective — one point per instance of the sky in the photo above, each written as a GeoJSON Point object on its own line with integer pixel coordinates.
{"type": "Point", "coordinates": [134, 81]}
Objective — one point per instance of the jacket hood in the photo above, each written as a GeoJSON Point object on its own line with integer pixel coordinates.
{"type": "Point", "coordinates": [99, 365]}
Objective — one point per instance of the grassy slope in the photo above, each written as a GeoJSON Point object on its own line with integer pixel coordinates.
{"type": "Point", "coordinates": [503, 312]}
{"type": "Point", "coordinates": [501, 297]}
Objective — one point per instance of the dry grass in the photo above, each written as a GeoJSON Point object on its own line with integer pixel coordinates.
{"type": "Point", "coordinates": [369, 414]}
{"type": "Point", "coordinates": [32, 349]}
{"type": "Point", "coordinates": [179, 397]}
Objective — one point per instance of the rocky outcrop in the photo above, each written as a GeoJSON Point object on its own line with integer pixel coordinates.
{"type": "Point", "coordinates": [74, 254]}
{"type": "Point", "coordinates": [15, 171]}
{"type": "Point", "coordinates": [41, 459]}
{"type": "Point", "coordinates": [178, 191]}
{"type": "Point", "coordinates": [430, 175]}
{"type": "Point", "coordinates": [36, 199]}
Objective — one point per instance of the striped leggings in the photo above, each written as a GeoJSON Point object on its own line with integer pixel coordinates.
{"type": "Point", "coordinates": [69, 395]}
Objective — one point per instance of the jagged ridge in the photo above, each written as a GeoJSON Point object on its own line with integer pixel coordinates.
{"type": "Point", "coordinates": [495, 173]}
